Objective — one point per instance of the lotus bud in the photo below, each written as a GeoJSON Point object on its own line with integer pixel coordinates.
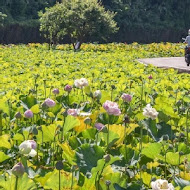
{"type": "Point", "coordinates": [126, 97]}
{"type": "Point", "coordinates": [18, 169]}
{"type": "Point", "coordinates": [97, 94]}
{"type": "Point", "coordinates": [28, 114]}
{"type": "Point", "coordinates": [55, 91]}
{"type": "Point", "coordinates": [150, 77]}
{"type": "Point", "coordinates": [49, 102]}
{"type": "Point", "coordinates": [68, 88]}
{"type": "Point", "coordinates": [99, 126]}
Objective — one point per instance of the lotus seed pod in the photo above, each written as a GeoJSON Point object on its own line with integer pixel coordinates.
{"type": "Point", "coordinates": [181, 135]}
{"type": "Point", "coordinates": [44, 105]}
{"type": "Point", "coordinates": [113, 87]}
{"type": "Point", "coordinates": [107, 158]}
{"type": "Point", "coordinates": [18, 115]}
{"type": "Point", "coordinates": [144, 167]}
{"type": "Point", "coordinates": [87, 121]}
{"type": "Point", "coordinates": [179, 103]}
{"type": "Point", "coordinates": [165, 137]}
{"type": "Point", "coordinates": [108, 183]}
{"type": "Point", "coordinates": [126, 119]}
{"type": "Point", "coordinates": [181, 153]}
{"type": "Point", "coordinates": [170, 147]}
{"type": "Point", "coordinates": [59, 165]}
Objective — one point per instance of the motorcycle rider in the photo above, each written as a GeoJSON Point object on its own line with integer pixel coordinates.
{"type": "Point", "coordinates": [187, 39]}
{"type": "Point", "coordinates": [187, 49]}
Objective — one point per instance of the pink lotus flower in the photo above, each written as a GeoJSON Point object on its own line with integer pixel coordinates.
{"type": "Point", "coordinates": [112, 108]}
{"type": "Point", "coordinates": [28, 114]}
{"type": "Point", "coordinates": [55, 91]}
{"type": "Point", "coordinates": [73, 112]}
{"type": "Point", "coordinates": [33, 144]}
{"type": "Point", "coordinates": [126, 97]}
{"type": "Point", "coordinates": [49, 102]}
{"type": "Point", "coordinates": [68, 88]}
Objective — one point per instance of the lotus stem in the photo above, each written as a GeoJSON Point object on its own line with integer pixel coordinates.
{"type": "Point", "coordinates": [187, 127]}
{"type": "Point", "coordinates": [1, 125]}
{"type": "Point", "coordinates": [59, 179]}
{"type": "Point", "coordinates": [16, 183]}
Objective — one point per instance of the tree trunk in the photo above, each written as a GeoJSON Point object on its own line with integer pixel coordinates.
{"type": "Point", "coordinates": [77, 45]}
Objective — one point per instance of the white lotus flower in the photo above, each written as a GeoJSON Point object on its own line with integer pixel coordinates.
{"type": "Point", "coordinates": [150, 112]}
{"type": "Point", "coordinates": [80, 83]}
{"type": "Point", "coordinates": [161, 184]}
{"type": "Point", "coordinates": [27, 148]}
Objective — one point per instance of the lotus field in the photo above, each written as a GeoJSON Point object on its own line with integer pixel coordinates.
{"type": "Point", "coordinates": [95, 119]}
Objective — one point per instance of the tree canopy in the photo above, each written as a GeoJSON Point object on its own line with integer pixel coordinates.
{"type": "Point", "coordinates": [2, 17]}
{"type": "Point", "coordinates": [77, 19]}
{"type": "Point", "coordinates": [150, 16]}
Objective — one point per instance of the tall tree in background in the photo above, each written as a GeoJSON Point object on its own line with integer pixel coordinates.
{"type": "Point", "coordinates": [77, 19]}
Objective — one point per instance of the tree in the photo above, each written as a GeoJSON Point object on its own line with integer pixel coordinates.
{"type": "Point", "coordinates": [77, 19]}
{"type": "Point", "coordinates": [2, 17]}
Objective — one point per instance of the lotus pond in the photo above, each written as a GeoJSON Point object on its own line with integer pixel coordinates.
{"type": "Point", "coordinates": [94, 119]}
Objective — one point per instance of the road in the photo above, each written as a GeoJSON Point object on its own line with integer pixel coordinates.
{"type": "Point", "coordinates": [168, 62]}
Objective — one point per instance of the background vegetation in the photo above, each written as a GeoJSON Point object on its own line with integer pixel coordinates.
{"type": "Point", "coordinates": [139, 20]}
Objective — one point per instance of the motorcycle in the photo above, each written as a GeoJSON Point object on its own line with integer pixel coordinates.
{"type": "Point", "coordinates": [187, 54]}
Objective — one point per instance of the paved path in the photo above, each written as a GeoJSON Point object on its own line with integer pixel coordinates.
{"type": "Point", "coordinates": [168, 62]}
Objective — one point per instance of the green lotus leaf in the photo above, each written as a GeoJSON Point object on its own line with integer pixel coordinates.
{"type": "Point", "coordinates": [3, 157]}
{"type": "Point", "coordinates": [87, 157]}
{"type": "Point", "coordinates": [152, 150]}
{"type": "Point", "coordinates": [35, 109]}
{"type": "Point", "coordinates": [70, 123]}
{"type": "Point", "coordinates": [4, 142]}
{"type": "Point", "coordinates": [23, 183]}
{"type": "Point", "coordinates": [52, 180]}
{"type": "Point", "coordinates": [172, 158]}
{"type": "Point", "coordinates": [47, 134]}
